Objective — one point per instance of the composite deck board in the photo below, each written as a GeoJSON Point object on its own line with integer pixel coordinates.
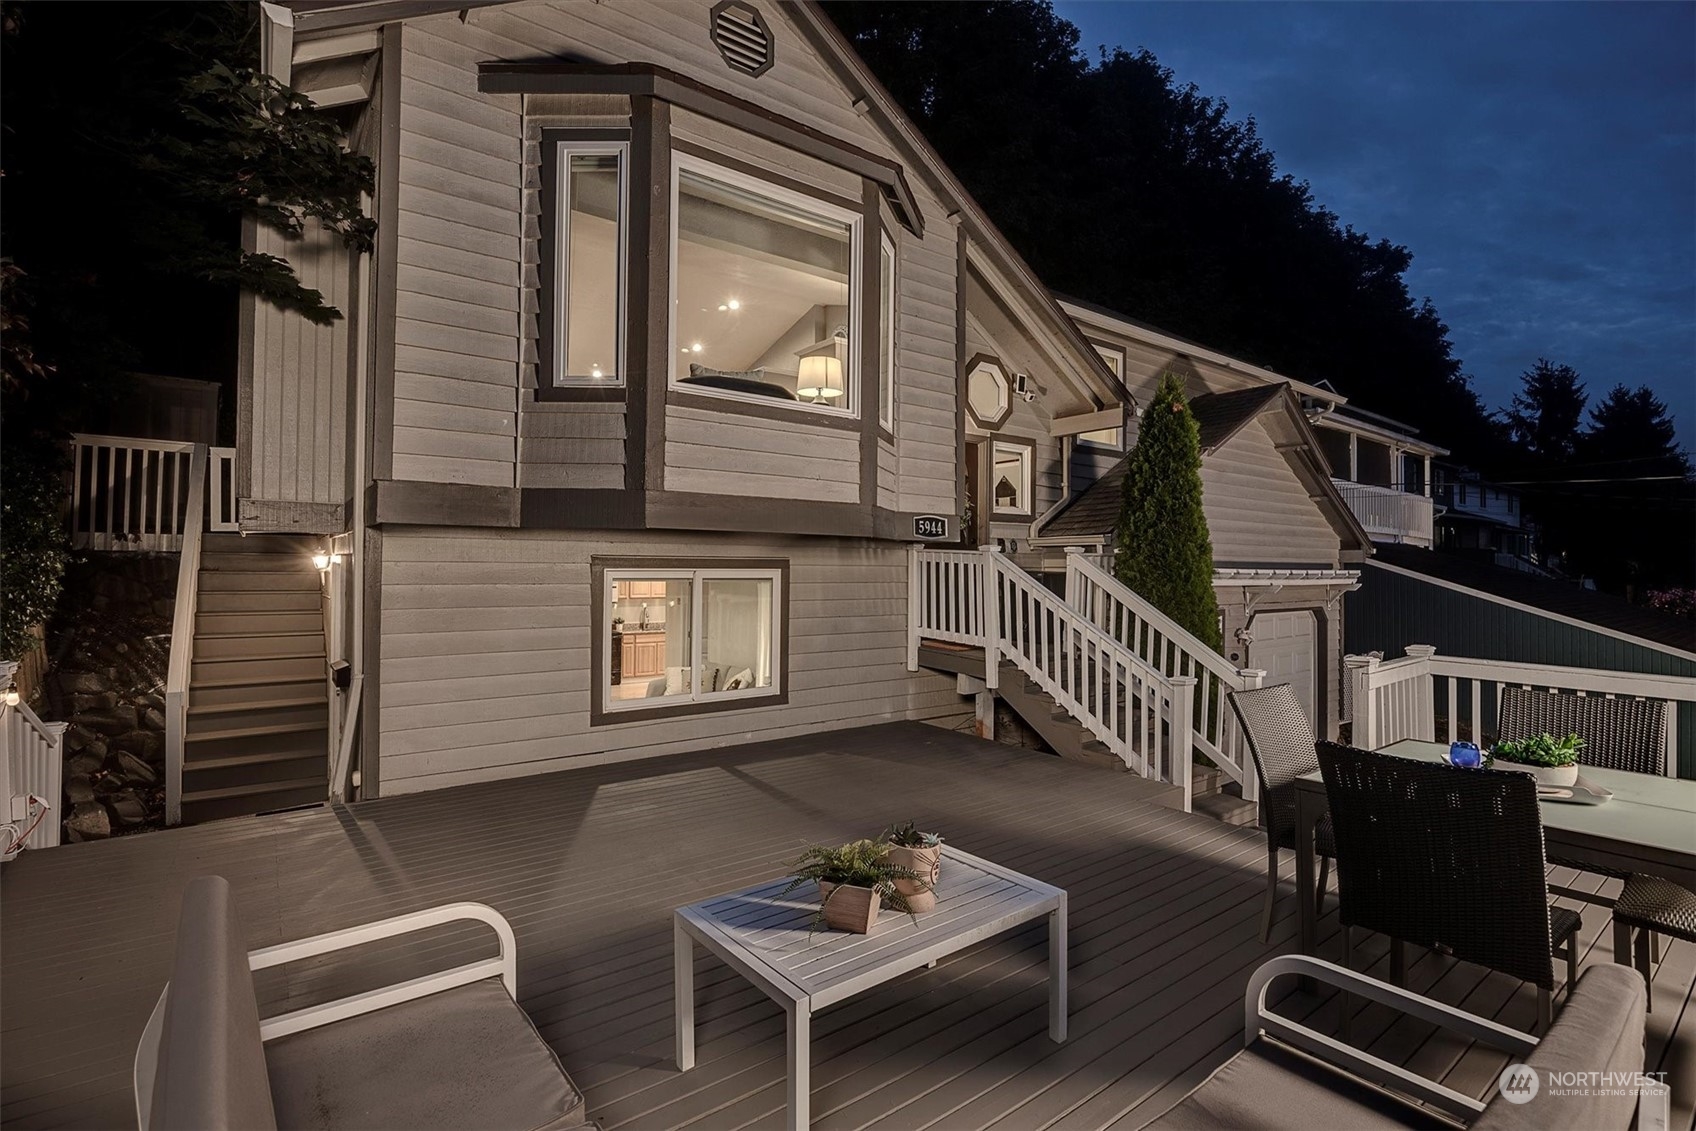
{"type": "Point", "coordinates": [589, 863]}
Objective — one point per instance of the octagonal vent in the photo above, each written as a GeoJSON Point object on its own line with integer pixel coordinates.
{"type": "Point", "coordinates": [741, 36]}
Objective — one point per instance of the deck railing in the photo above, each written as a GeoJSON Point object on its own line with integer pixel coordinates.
{"type": "Point", "coordinates": [1389, 514]}
{"type": "Point", "coordinates": [221, 515]}
{"type": "Point", "coordinates": [1442, 698]}
{"type": "Point", "coordinates": [182, 638]}
{"type": "Point", "coordinates": [981, 598]}
{"type": "Point", "coordinates": [128, 494]}
{"type": "Point", "coordinates": [1174, 652]}
{"type": "Point", "coordinates": [31, 764]}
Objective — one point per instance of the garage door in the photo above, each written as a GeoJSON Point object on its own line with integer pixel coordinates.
{"type": "Point", "coordinates": [1284, 648]}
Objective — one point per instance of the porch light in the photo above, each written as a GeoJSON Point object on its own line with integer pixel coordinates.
{"type": "Point", "coordinates": [320, 562]}
{"type": "Point", "coordinates": [820, 377]}
{"type": "Point", "coordinates": [12, 696]}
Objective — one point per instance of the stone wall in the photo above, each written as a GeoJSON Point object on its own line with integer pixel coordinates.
{"type": "Point", "coordinates": [108, 652]}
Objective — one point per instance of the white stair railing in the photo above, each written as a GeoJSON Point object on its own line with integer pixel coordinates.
{"type": "Point", "coordinates": [981, 598]}
{"type": "Point", "coordinates": [1399, 699]}
{"type": "Point", "coordinates": [221, 516]}
{"type": "Point", "coordinates": [31, 765]}
{"type": "Point", "coordinates": [1174, 652]}
{"type": "Point", "coordinates": [129, 494]}
{"type": "Point", "coordinates": [182, 638]}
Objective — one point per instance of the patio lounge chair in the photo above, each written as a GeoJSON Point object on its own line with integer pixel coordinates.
{"type": "Point", "coordinates": [1281, 740]}
{"type": "Point", "coordinates": [1618, 734]}
{"type": "Point", "coordinates": [1291, 1078]}
{"type": "Point", "coordinates": [447, 1050]}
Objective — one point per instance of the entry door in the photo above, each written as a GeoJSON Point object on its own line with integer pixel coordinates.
{"type": "Point", "coordinates": [1284, 646]}
{"type": "Point", "coordinates": [976, 532]}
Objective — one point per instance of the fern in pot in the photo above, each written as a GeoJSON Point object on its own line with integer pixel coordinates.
{"type": "Point", "coordinates": [1552, 761]}
{"type": "Point", "coordinates": [855, 880]}
{"type": "Point", "coordinates": [922, 853]}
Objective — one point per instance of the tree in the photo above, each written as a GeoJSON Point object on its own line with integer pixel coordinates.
{"type": "Point", "coordinates": [1163, 551]}
{"type": "Point", "coordinates": [1547, 413]}
{"type": "Point", "coordinates": [1632, 435]}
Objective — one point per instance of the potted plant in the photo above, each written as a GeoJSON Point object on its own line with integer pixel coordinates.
{"type": "Point", "coordinates": [1552, 761]}
{"type": "Point", "coordinates": [921, 853]}
{"type": "Point", "coordinates": [855, 880]}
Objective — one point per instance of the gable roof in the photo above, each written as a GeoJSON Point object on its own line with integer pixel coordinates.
{"type": "Point", "coordinates": [1541, 594]}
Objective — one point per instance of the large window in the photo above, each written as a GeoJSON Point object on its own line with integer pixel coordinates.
{"type": "Point", "coordinates": [1107, 437]}
{"type": "Point", "coordinates": [687, 636]}
{"type": "Point", "coordinates": [763, 288]}
{"type": "Point", "coordinates": [587, 287]}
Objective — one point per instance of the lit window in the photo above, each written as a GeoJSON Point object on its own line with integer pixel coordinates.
{"type": "Point", "coordinates": [587, 258]}
{"type": "Point", "coordinates": [1107, 437]}
{"type": "Point", "coordinates": [763, 285]}
{"type": "Point", "coordinates": [1010, 479]}
{"type": "Point", "coordinates": [690, 636]}
{"type": "Point", "coordinates": [886, 337]}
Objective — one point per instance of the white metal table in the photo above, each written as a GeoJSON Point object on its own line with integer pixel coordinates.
{"type": "Point", "coordinates": [767, 937]}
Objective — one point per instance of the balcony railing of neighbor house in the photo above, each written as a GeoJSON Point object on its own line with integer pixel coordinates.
{"type": "Point", "coordinates": [182, 637]}
{"type": "Point", "coordinates": [1442, 698]}
{"type": "Point", "coordinates": [31, 775]}
{"type": "Point", "coordinates": [981, 598]}
{"type": "Point", "coordinates": [1389, 514]}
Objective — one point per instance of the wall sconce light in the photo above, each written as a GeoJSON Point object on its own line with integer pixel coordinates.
{"type": "Point", "coordinates": [320, 562]}
{"type": "Point", "coordinates": [12, 696]}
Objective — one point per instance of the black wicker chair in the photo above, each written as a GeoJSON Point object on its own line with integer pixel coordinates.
{"type": "Point", "coordinates": [1281, 741]}
{"type": "Point", "coordinates": [1451, 860]}
{"type": "Point", "coordinates": [1618, 734]}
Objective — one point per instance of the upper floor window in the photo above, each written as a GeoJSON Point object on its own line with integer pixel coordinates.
{"type": "Point", "coordinates": [1108, 437]}
{"type": "Point", "coordinates": [587, 287]}
{"type": "Point", "coordinates": [886, 338]}
{"type": "Point", "coordinates": [764, 289]}
{"type": "Point", "coordinates": [1010, 479]}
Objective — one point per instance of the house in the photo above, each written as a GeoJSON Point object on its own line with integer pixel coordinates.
{"type": "Point", "coordinates": [1382, 469]}
{"type": "Point", "coordinates": [1485, 520]}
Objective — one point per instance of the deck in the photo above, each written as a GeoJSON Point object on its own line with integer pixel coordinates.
{"type": "Point", "coordinates": [588, 864]}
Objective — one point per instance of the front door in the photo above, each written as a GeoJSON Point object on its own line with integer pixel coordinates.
{"type": "Point", "coordinates": [1284, 648]}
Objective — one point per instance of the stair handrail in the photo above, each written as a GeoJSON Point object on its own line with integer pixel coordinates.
{"type": "Point", "coordinates": [1172, 650]}
{"type": "Point", "coordinates": [343, 763]}
{"type": "Point", "coordinates": [182, 637]}
{"type": "Point", "coordinates": [31, 766]}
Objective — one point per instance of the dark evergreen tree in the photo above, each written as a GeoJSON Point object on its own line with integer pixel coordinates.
{"type": "Point", "coordinates": [1631, 435]}
{"type": "Point", "coordinates": [1547, 413]}
{"type": "Point", "coordinates": [1162, 548]}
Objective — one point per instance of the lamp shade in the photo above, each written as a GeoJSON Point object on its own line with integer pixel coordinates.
{"type": "Point", "coordinates": [821, 377]}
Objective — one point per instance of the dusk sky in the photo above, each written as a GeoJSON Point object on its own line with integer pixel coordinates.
{"type": "Point", "coordinates": [1538, 159]}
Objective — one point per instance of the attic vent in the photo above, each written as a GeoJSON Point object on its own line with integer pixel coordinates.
{"type": "Point", "coordinates": [741, 36]}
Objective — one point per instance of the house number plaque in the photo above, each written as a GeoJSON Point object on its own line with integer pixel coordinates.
{"type": "Point", "coordinates": [930, 528]}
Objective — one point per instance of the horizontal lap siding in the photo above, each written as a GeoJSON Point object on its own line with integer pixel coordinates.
{"type": "Point", "coordinates": [297, 435]}
{"type": "Point", "coordinates": [487, 658]}
{"type": "Point", "coordinates": [727, 453]}
{"type": "Point", "coordinates": [926, 320]}
{"type": "Point", "coordinates": [458, 268]}
{"type": "Point", "coordinates": [1257, 510]}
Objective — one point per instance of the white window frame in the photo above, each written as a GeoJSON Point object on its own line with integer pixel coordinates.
{"type": "Point", "coordinates": [1027, 457]}
{"type": "Point", "coordinates": [564, 150]}
{"type": "Point", "coordinates": [1110, 355]}
{"type": "Point", "coordinates": [886, 313]}
{"type": "Point", "coordinates": [697, 615]}
{"type": "Point", "coordinates": [853, 384]}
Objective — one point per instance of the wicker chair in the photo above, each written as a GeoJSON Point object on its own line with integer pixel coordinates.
{"type": "Point", "coordinates": [1618, 734]}
{"type": "Point", "coordinates": [1281, 741]}
{"type": "Point", "coordinates": [1451, 860]}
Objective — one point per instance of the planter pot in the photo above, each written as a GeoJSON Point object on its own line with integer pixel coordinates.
{"type": "Point", "coordinates": [927, 862]}
{"type": "Point", "coordinates": [848, 908]}
{"type": "Point", "coordinates": [1557, 777]}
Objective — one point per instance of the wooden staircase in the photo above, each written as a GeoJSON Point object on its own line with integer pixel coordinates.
{"type": "Point", "coordinates": [257, 734]}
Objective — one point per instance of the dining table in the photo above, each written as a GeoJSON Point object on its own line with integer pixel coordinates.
{"type": "Point", "coordinates": [1647, 826]}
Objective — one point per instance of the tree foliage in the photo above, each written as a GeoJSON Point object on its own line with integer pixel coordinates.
{"type": "Point", "coordinates": [1547, 413]}
{"type": "Point", "coordinates": [1162, 548]}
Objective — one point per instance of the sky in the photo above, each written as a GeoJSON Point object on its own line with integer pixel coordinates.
{"type": "Point", "coordinates": [1538, 159]}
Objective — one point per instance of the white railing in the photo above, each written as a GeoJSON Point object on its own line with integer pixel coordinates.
{"type": "Point", "coordinates": [182, 638]}
{"type": "Point", "coordinates": [128, 494]}
{"type": "Point", "coordinates": [1173, 651]}
{"type": "Point", "coordinates": [981, 598]}
{"type": "Point", "coordinates": [342, 766]}
{"type": "Point", "coordinates": [31, 764]}
{"type": "Point", "coordinates": [221, 513]}
{"type": "Point", "coordinates": [1387, 513]}
{"type": "Point", "coordinates": [1442, 698]}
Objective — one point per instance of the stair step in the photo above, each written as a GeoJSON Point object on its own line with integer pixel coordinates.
{"type": "Point", "coordinates": [258, 645]}
{"type": "Point", "coordinates": [244, 801]}
{"type": "Point", "coordinates": [231, 730]}
{"type": "Point", "coordinates": [266, 769]}
{"type": "Point", "coordinates": [236, 621]}
{"type": "Point", "coordinates": [198, 708]}
{"type": "Point", "coordinates": [260, 543]}
{"type": "Point", "coordinates": [1227, 808]}
{"type": "Point", "coordinates": [228, 670]}
{"type": "Point", "coordinates": [283, 564]}
{"type": "Point", "coordinates": [267, 581]}
{"type": "Point", "coordinates": [209, 692]}
{"type": "Point", "coordinates": [304, 742]}
{"type": "Point", "coordinates": [301, 600]}
{"type": "Point", "coordinates": [230, 721]}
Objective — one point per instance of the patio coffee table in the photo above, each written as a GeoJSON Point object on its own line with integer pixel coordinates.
{"type": "Point", "coordinates": [767, 937]}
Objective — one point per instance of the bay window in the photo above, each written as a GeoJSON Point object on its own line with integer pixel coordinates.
{"type": "Point", "coordinates": [764, 291]}
{"type": "Point", "coordinates": [585, 290]}
{"type": "Point", "coordinates": [681, 637]}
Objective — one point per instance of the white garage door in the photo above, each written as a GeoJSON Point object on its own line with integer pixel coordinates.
{"type": "Point", "coordinates": [1284, 648]}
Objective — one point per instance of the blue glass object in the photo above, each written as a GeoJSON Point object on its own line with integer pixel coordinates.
{"type": "Point", "coordinates": [1465, 755]}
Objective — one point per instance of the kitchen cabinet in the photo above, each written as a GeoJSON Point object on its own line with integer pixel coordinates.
{"type": "Point", "coordinates": [639, 591]}
{"type": "Point", "coordinates": [643, 656]}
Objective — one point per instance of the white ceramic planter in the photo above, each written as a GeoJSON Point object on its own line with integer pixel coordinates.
{"type": "Point", "coordinates": [1556, 777]}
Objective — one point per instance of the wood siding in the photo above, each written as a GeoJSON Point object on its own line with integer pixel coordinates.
{"type": "Point", "coordinates": [927, 324]}
{"type": "Point", "coordinates": [292, 427]}
{"type": "Point", "coordinates": [487, 659]}
{"type": "Point", "coordinates": [1258, 512]}
{"type": "Point", "coordinates": [1391, 610]}
{"type": "Point", "coordinates": [729, 453]}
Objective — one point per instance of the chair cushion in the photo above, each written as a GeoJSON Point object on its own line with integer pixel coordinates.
{"type": "Point", "coordinates": [464, 1058]}
{"type": "Point", "coordinates": [1272, 1087]}
{"type": "Point", "coordinates": [1660, 905]}
{"type": "Point", "coordinates": [1599, 1029]}
{"type": "Point", "coordinates": [211, 1069]}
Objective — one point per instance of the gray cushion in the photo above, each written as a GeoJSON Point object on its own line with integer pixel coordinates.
{"type": "Point", "coordinates": [465, 1058]}
{"type": "Point", "coordinates": [1599, 1029]}
{"type": "Point", "coordinates": [211, 1072]}
{"type": "Point", "coordinates": [1271, 1087]}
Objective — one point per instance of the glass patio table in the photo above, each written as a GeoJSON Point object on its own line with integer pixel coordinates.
{"type": "Point", "coordinates": [1648, 826]}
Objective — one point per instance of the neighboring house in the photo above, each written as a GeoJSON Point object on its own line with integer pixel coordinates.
{"type": "Point", "coordinates": [1285, 545]}
{"type": "Point", "coordinates": [1382, 469]}
{"type": "Point", "coordinates": [1484, 520]}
